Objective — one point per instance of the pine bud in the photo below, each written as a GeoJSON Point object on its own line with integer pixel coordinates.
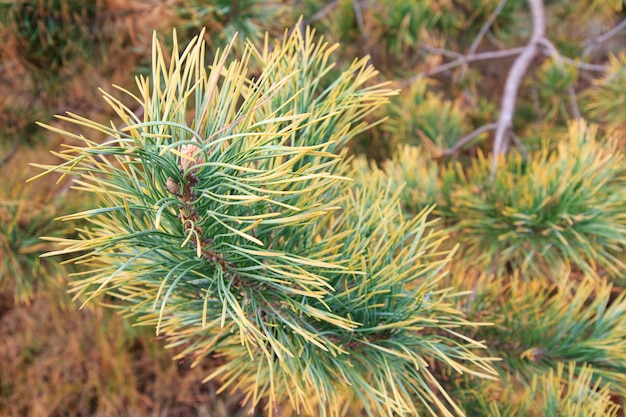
{"type": "Point", "coordinates": [172, 186]}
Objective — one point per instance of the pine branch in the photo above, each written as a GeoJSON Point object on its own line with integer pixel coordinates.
{"type": "Point", "coordinates": [606, 98]}
{"type": "Point", "coordinates": [542, 326]}
{"type": "Point", "coordinates": [550, 209]}
{"type": "Point", "coordinates": [556, 55]}
{"type": "Point", "coordinates": [227, 222]}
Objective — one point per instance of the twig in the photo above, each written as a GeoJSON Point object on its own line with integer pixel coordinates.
{"type": "Point", "coordinates": [361, 24]}
{"type": "Point", "coordinates": [467, 139]}
{"type": "Point", "coordinates": [6, 158]}
{"type": "Point", "coordinates": [591, 44]}
{"type": "Point", "coordinates": [306, 22]}
{"type": "Point", "coordinates": [478, 57]}
{"type": "Point", "coordinates": [570, 88]}
{"type": "Point", "coordinates": [495, 41]}
{"type": "Point", "coordinates": [441, 51]}
{"type": "Point", "coordinates": [483, 56]}
{"type": "Point", "coordinates": [483, 30]}
{"type": "Point", "coordinates": [586, 66]}
{"type": "Point", "coordinates": [514, 78]}
{"type": "Point", "coordinates": [537, 106]}
{"type": "Point", "coordinates": [486, 27]}
{"type": "Point", "coordinates": [321, 13]}
{"type": "Point", "coordinates": [519, 145]}
{"type": "Point", "coordinates": [580, 65]}
{"type": "Point", "coordinates": [234, 10]}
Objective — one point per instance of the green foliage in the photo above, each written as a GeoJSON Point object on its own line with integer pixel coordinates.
{"type": "Point", "coordinates": [249, 19]}
{"type": "Point", "coordinates": [552, 82]}
{"type": "Point", "coordinates": [22, 271]}
{"type": "Point", "coordinates": [403, 24]}
{"type": "Point", "coordinates": [561, 206]}
{"type": "Point", "coordinates": [227, 221]}
{"type": "Point", "coordinates": [554, 393]}
{"type": "Point", "coordinates": [412, 172]}
{"type": "Point", "coordinates": [558, 206]}
{"type": "Point", "coordinates": [538, 326]}
{"type": "Point", "coordinates": [539, 329]}
{"type": "Point", "coordinates": [571, 395]}
{"type": "Point", "coordinates": [54, 32]}
{"type": "Point", "coordinates": [381, 364]}
{"type": "Point", "coordinates": [606, 100]}
{"type": "Point", "coordinates": [19, 130]}
{"type": "Point", "coordinates": [425, 118]}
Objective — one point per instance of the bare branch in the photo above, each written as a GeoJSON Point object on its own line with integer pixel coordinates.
{"type": "Point", "coordinates": [461, 59]}
{"type": "Point", "coordinates": [591, 44]}
{"type": "Point", "coordinates": [361, 24]}
{"type": "Point", "coordinates": [514, 78]}
{"type": "Point", "coordinates": [441, 51]}
{"type": "Point", "coordinates": [486, 27]}
{"type": "Point", "coordinates": [570, 88]}
{"type": "Point", "coordinates": [495, 54]}
{"type": "Point", "coordinates": [536, 105]}
{"type": "Point", "coordinates": [468, 138]}
{"type": "Point", "coordinates": [234, 10]}
{"type": "Point", "coordinates": [495, 41]}
{"type": "Point", "coordinates": [519, 145]}
{"type": "Point", "coordinates": [483, 30]}
{"type": "Point", "coordinates": [11, 152]}
{"type": "Point", "coordinates": [483, 56]}
{"type": "Point", "coordinates": [306, 22]}
{"type": "Point", "coordinates": [585, 66]}
{"type": "Point", "coordinates": [580, 65]}
{"type": "Point", "coordinates": [321, 13]}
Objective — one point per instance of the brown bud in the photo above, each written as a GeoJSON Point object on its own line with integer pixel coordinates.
{"type": "Point", "coordinates": [172, 186]}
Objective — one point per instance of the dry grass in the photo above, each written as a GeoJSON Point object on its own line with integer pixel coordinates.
{"type": "Point", "coordinates": [55, 362]}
